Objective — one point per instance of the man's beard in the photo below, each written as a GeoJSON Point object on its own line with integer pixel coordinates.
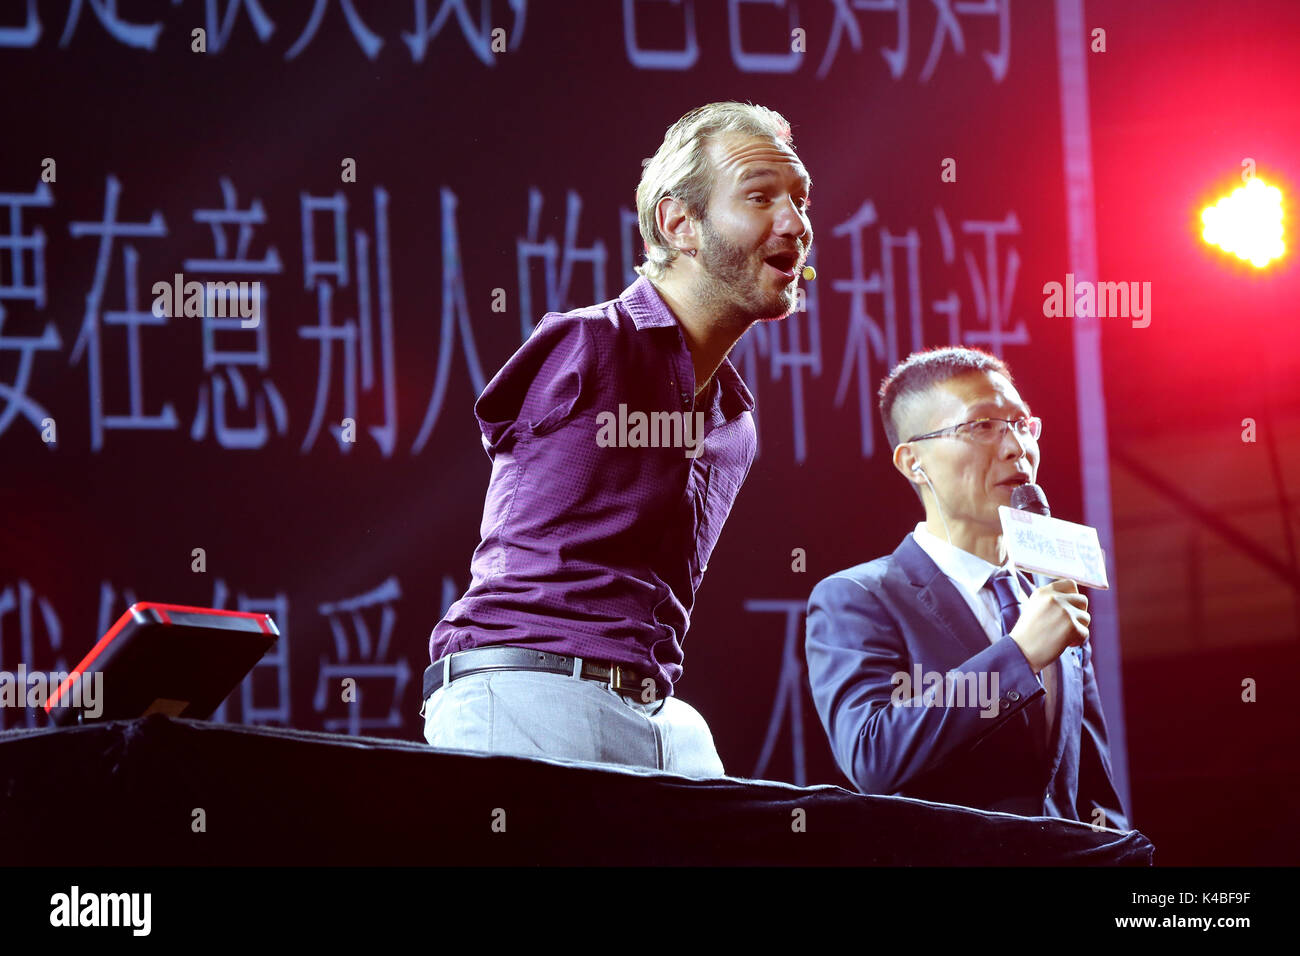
{"type": "Point", "coordinates": [728, 285]}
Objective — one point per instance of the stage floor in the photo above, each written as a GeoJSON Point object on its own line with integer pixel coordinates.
{"type": "Point", "coordinates": [133, 792]}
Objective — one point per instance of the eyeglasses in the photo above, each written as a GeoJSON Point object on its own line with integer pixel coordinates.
{"type": "Point", "coordinates": [990, 430]}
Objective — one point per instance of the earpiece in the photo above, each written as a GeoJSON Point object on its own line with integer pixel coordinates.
{"type": "Point", "coordinates": [916, 467]}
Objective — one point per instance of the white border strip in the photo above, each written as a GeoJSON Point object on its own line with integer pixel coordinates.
{"type": "Point", "coordinates": [1090, 398]}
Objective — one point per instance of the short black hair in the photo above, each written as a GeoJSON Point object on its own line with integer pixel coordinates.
{"type": "Point", "coordinates": [921, 371]}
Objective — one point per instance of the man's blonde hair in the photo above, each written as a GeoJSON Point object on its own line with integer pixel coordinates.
{"type": "Point", "coordinates": [680, 168]}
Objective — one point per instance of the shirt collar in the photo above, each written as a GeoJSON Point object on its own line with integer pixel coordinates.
{"type": "Point", "coordinates": [969, 570]}
{"type": "Point", "coordinates": [646, 306]}
{"type": "Point", "coordinates": [649, 311]}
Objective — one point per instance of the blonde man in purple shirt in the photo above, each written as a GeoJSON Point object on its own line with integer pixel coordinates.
{"type": "Point", "coordinates": [620, 435]}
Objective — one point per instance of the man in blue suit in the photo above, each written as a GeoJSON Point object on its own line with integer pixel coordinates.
{"type": "Point", "coordinates": [937, 671]}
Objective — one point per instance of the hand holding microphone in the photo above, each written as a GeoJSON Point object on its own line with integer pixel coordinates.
{"type": "Point", "coordinates": [1055, 617]}
{"type": "Point", "coordinates": [1056, 614]}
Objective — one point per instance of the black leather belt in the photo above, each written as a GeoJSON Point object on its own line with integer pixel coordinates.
{"type": "Point", "coordinates": [619, 677]}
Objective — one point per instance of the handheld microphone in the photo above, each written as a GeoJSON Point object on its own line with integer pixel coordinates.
{"type": "Point", "coordinates": [809, 273]}
{"type": "Point", "coordinates": [1031, 498]}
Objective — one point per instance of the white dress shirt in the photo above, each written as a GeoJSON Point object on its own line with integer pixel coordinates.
{"type": "Point", "coordinates": [969, 573]}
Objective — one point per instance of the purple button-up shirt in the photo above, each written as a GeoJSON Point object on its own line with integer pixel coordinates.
{"type": "Point", "coordinates": [591, 547]}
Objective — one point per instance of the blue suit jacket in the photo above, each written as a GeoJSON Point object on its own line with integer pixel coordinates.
{"type": "Point", "coordinates": [872, 621]}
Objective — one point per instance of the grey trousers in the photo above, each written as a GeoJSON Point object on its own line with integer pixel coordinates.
{"type": "Point", "coordinates": [560, 717]}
